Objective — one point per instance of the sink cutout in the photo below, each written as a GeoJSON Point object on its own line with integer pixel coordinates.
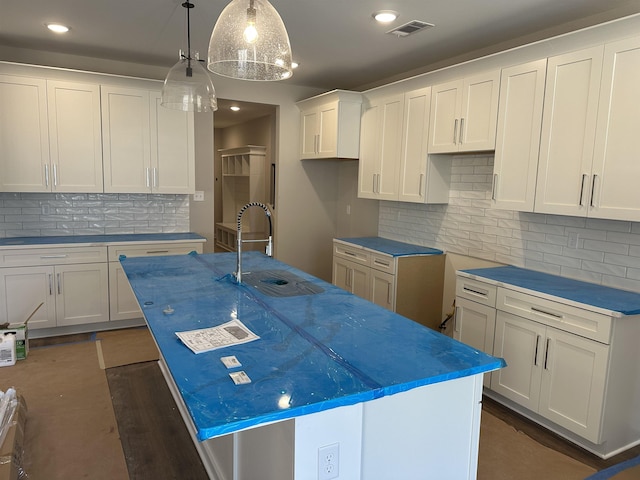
{"type": "Point", "coordinates": [280, 283]}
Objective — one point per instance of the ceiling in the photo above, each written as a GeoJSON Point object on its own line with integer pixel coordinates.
{"type": "Point", "coordinates": [336, 42]}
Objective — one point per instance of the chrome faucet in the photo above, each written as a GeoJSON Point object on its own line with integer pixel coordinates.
{"type": "Point", "coordinates": [268, 241]}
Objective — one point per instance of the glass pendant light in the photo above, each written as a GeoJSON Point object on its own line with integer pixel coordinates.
{"type": "Point", "coordinates": [250, 41]}
{"type": "Point", "coordinates": [188, 86]}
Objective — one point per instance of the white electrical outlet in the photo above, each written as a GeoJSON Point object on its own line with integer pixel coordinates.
{"type": "Point", "coordinates": [198, 196]}
{"type": "Point", "coordinates": [329, 462]}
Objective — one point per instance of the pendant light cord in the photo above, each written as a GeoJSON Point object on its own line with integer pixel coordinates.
{"type": "Point", "coordinates": [188, 6]}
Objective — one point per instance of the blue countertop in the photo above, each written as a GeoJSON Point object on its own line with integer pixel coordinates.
{"type": "Point", "coordinates": [93, 239]}
{"type": "Point", "coordinates": [607, 298]}
{"type": "Point", "coordinates": [391, 247]}
{"type": "Point", "coordinates": [315, 352]}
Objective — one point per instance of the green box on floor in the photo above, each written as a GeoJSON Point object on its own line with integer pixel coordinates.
{"type": "Point", "coordinates": [22, 339]}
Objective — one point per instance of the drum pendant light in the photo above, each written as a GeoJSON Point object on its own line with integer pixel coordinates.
{"type": "Point", "coordinates": [249, 41]}
{"type": "Point", "coordinates": [188, 86]}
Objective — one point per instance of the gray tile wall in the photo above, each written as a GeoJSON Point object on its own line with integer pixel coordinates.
{"type": "Point", "coordinates": [607, 251]}
{"type": "Point", "coordinates": [55, 214]}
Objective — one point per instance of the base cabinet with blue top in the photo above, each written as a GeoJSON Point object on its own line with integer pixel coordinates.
{"type": "Point", "coordinates": [404, 278]}
{"type": "Point", "coordinates": [573, 364]}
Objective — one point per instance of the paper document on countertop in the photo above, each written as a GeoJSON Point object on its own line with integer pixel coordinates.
{"type": "Point", "coordinates": [207, 339]}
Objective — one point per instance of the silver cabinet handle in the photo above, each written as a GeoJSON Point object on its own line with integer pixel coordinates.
{"type": "Point", "coordinates": [455, 132]}
{"type": "Point", "coordinates": [50, 284]}
{"type": "Point", "coordinates": [593, 189]}
{"type": "Point", "coordinates": [461, 135]}
{"type": "Point", "coordinates": [584, 177]}
{"type": "Point", "coordinates": [535, 355]}
{"type": "Point", "coordinates": [539, 310]}
{"type": "Point", "coordinates": [148, 181]}
{"type": "Point", "coordinates": [546, 354]}
{"type": "Point", "coordinates": [155, 177]}
{"type": "Point", "coordinates": [59, 284]}
{"type": "Point", "coordinates": [389, 295]}
{"type": "Point", "coordinates": [373, 186]}
{"type": "Point", "coordinates": [46, 176]}
{"type": "Point", "coordinates": [456, 327]}
{"type": "Point", "coordinates": [420, 184]}
{"type": "Point", "coordinates": [53, 256]}
{"type": "Point", "coordinates": [55, 175]}
{"type": "Point", "coordinates": [494, 186]}
{"type": "Point", "coordinates": [151, 252]}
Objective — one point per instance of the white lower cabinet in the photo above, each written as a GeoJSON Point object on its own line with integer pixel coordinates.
{"type": "Point", "coordinates": [71, 293]}
{"type": "Point", "coordinates": [570, 367]}
{"type": "Point", "coordinates": [410, 285]}
{"type": "Point", "coordinates": [76, 285]}
{"type": "Point", "coordinates": [123, 304]}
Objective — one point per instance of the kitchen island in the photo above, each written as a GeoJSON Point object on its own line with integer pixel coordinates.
{"type": "Point", "coordinates": [333, 377]}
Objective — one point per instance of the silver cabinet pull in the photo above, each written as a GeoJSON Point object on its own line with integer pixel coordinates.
{"type": "Point", "coordinates": [538, 310]}
{"type": "Point", "coordinates": [455, 131]}
{"type": "Point", "coordinates": [155, 177]}
{"type": "Point", "coordinates": [456, 327]}
{"type": "Point", "coordinates": [584, 177]}
{"type": "Point", "coordinates": [494, 186]}
{"type": "Point", "coordinates": [50, 284]}
{"type": "Point", "coordinates": [53, 256]}
{"type": "Point", "coordinates": [593, 189]}
{"type": "Point", "coordinates": [55, 175]}
{"type": "Point", "coordinates": [373, 183]}
{"type": "Point", "coordinates": [535, 355]}
{"type": "Point", "coordinates": [46, 176]}
{"type": "Point", "coordinates": [461, 135]}
{"type": "Point", "coordinates": [151, 252]}
{"type": "Point", "coordinates": [546, 354]}
{"type": "Point", "coordinates": [59, 279]}
{"type": "Point", "coordinates": [420, 184]}
{"type": "Point", "coordinates": [473, 291]}
{"type": "Point", "coordinates": [148, 182]}
{"type": "Point", "coordinates": [389, 295]}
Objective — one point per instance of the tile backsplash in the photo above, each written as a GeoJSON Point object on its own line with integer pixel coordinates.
{"type": "Point", "coordinates": [55, 214]}
{"type": "Point", "coordinates": [606, 252]}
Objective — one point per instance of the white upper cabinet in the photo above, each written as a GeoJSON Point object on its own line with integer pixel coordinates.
{"type": "Point", "coordinates": [51, 139]}
{"type": "Point", "coordinates": [75, 137]}
{"type": "Point", "coordinates": [616, 165]}
{"type": "Point", "coordinates": [518, 136]}
{"type": "Point", "coordinates": [146, 148]}
{"type": "Point", "coordinates": [464, 114]}
{"type": "Point", "coordinates": [24, 135]}
{"type": "Point", "coordinates": [568, 132]}
{"type": "Point", "coordinates": [380, 147]}
{"type": "Point", "coordinates": [330, 125]}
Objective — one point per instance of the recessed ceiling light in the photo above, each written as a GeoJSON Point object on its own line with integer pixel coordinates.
{"type": "Point", "coordinates": [56, 27]}
{"type": "Point", "coordinates": [385, 16]}
{"type": "Point", "coordinates": [234, 108]}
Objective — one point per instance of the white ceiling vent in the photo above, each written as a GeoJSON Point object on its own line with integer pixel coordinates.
{"type": "Point", "coordinates": [409, 28]}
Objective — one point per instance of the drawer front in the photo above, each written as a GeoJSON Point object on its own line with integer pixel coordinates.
{"type": "Point", "coordinates": [52, 256]}
{"type": "Point", "coordinates": [384, 263]}
{"type": "Point", "coordinates": [152, 250]}
{"type": "Point", "coordinates": [351, 252]}
{"type": "Point", "coordinates": [564, 317]}
{"type": "Point", "coordinates": [479, 292]}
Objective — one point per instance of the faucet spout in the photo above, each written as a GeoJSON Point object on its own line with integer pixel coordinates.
{"type": "Point", "coordinates": [239, 241]}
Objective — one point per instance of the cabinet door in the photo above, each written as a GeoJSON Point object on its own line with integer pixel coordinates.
{"type": "Point", "coordinates": [126, 140]}
{"type": "Point", "coordinates": [352, 277]}
{"type": "Point", "coordinates": [615, 164]}
{"type": "Point", "coordinates": [573, 382]}
{"type": "Point", "coordinates": [75, 137]}
{"type": "Point", "coordinates": [82, 293]}
{"type": "Point", "coordinates": [413, 161]}
{"type": "Point", "coordinates": [309, 120]}
{"type": "Point", "coordinates": [22, 289]}
{"type": "Point", "coordinates": [518, 136]}
{"type": "Point", "coordinates": [24, 136]}
{"type": "Point", "coordinates": [446, 101]}
{"type": "Point", "coordinates": [123, 304]}
{"type": "Point", "coordinates": [568, 132]}
{"type": "Point", "coordinates": [521, 343]}
{"type": "Point", "coordinates": [172, 149]}
{"type": "Point", "coordinates": [479, 112]}
{"type": "Point", "coordinates": [328, 131]}
{"type": "Point", "coordinates": [475, 324]}
{"type": "Point", "coordinates": [390, 132]}
{"type": "Point", "coordinates": [369, 151]}
{"type": "Point", "coordinates": [383, 289]}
